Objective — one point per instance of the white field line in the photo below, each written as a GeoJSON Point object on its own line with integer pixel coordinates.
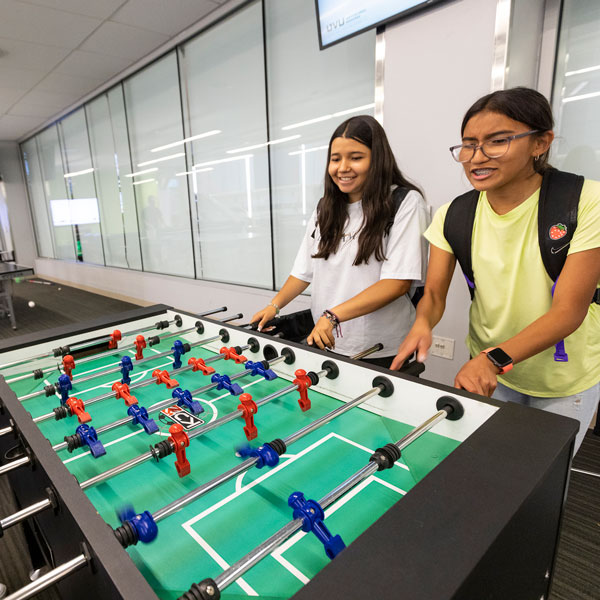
{"type": "Point", "coordinates": [221, 561]}
{"type": "Point", "coordinates": [277, 554]}
{"type": "Point", "coordinates": [239, 490]}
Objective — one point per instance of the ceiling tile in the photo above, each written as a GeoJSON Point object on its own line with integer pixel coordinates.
{"type": "Point", "coordinates": [8, 96]}
{"type": "Point", "coordinates": [90, 8]}
{"type": "Point", "coordinates": [117, 39]}
{"type": "Point", "coordinates": [29, 55]}
{"type": "Point", "coordinates": [20, 78]}
{"type": "Point", "coordinates": [165, 16]}
{"type": "Point", "coordinates": [12, 128]}
{"type": "Point", "coordinates": [25, 109]}
{"type": "Point", "coordinates": [92, 65]}
{"type": "Point", "coordinates": [38, 24]}
{"type": "Point", "coordinates": [55, 100]}
{"type": "Point", "coordinates": [61, 82]}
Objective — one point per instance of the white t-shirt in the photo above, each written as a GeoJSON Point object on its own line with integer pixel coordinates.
{"type": "Point", "coordinates": [336, 279]}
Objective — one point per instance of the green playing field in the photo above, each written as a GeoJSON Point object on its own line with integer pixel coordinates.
{"type": "Point", "coordinates": [206, 536]}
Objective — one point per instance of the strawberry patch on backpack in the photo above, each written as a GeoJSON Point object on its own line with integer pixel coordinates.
{"type": "Point", "coordinates": [557, 231]}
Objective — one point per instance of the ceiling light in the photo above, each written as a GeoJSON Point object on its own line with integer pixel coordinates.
{"type": "Point", "coordinates": [308, 122]}
{"type": "Point", "coordinates": [190, 139]}
{"type": "Point", "coordinates": [355, 109]}
{"type": "Point", "coordinates": [222, 160]}
{"type": "Point", "coordinates": [271, 143]}
{"type": "Point", "coordinates": [327, 117]}
{"type": "Point", "coordinates": [580, 71]}
{"type": "Point", "coordinates": [581, 97]}
{"type": "Point", "coordinates": [142, 172]}
{"type": "Point", "coordinates": [143, 181]}
{"type": "Point", "coordinates": [305, 151]}
{"type": "Point", "coordinates": [194, 171]}
{"type": "Point", "coordinates": [76, 173]}
{"type": "Point", "coordinates": [156, 160]}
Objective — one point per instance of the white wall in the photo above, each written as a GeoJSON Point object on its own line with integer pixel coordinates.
{"type": "Point", "coordinates": [149, 288]}
{"type": "Point", "coordinates": [436, 65]}
{"type": "Point", "coordinates": [18, 205]}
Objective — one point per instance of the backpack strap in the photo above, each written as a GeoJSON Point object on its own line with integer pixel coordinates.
{"type": "Point", "coordinates": [398, 196]}
{"type": "Point", "coordinates": [458, 231]}
{"type": "Point", "coordinates": [557, 217]}
{"type": "Point", "coordinates": [557, 221]}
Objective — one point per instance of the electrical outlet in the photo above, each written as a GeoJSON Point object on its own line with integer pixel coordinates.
{"type": "Point", "coordinates": [442, 347]}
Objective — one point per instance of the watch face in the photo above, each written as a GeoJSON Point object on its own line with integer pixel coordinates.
{"type": "Point", "coordinates": [499, 357]}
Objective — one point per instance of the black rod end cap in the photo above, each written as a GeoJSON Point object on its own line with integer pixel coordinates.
{"type": "Point", "coordinates": [386, 385]}
{"type": "Point", "coordinates": [452, 406]}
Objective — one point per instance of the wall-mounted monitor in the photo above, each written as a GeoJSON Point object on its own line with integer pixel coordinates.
{"type": "Point", "coordinates": [77, 211]}
{"type": "Point", "coordinates": [338, 20]}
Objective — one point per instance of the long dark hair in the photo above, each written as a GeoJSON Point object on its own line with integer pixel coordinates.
{"type": "Point", "coordinates": [519, 104]}
{"type": "Point", "coordinates": [377, 204]}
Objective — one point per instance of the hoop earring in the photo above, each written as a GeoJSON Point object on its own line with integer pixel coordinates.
{"type": "Point", "coordinates": [536, 158]}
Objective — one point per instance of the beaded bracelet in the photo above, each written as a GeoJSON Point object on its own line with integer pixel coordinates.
{"type": "Point", "coordinates": [277, 309]}
{"type": "Point", "coordinates": [334, 320]}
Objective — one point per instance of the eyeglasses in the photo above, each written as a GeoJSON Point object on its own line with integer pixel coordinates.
{"type": "Point", "coordinates": [494, 148]}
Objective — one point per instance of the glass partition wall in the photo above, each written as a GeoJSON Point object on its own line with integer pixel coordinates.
{"type": "Point", "coordinates": [208, 162]}
{"type": "Point", "coordinates": [576, 95]}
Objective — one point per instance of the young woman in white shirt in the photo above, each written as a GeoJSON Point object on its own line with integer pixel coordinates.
{"type": "Point", "coordinates": [362, 250]}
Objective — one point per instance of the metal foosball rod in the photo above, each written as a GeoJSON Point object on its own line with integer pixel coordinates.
{"type": "Point", "coordinates": [52, 577]}
{"type": "Point", "coordinates": [198, 324]}
{"type": "Point", "coordinates": [48, 391]}
{"type": "Point", "coordinates": [253, 346]}
{"type": "Point", "coordinates": [136, 528]}
{"type": "Point", "coordinates": [61, 412]}
{"type": "Point", "coordinates": [15, 464]}
{"type": "Point", "coordinates": [329, 370]}
{"type": "Point", "coordinates": [138, 346]}
{"type": "Point", "coordinates": [166, 447]}
{"type": "Point", "coordinates": [57, 352]}
{"type": "Point", "coordinates": [222, 381]}
{"type": "Point", "coordinates": [383, 458]}
{"type": "Point", "coordinates": [33, 509]}
{"type": "Point", "coordinates": [161, 450]}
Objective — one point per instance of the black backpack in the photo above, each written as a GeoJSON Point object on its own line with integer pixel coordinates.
{"type": "Point", "coordinates": [398, 196]}
{"type": "Point", "coordinates": [557, 221]}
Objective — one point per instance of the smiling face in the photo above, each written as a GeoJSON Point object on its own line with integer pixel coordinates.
{"type": "Point", "coordinates": [349, 165]}
{"type": "Point", "coordinates": [512, 169]}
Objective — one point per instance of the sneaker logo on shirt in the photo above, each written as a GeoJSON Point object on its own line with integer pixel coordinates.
{"type": "Point", "coordinates": [557, 250]}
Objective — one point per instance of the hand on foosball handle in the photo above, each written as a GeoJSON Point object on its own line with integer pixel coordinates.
{"type": "Point", "coordinates": [322, 334]}
{"type": "Point", "coordinates": [268, 313]}
{"type": "Point", "coordinates": [418, 340]}
{"type": "Point", "coordinates": [479, 375]}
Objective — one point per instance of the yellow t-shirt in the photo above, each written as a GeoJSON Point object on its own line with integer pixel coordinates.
{"type": "Point", "coordinates": [512, 289]}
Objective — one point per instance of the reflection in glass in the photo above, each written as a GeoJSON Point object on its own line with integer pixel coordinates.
{"type": "Point", "coordinates": [55, 189]}
{"type": "Point", "coordinates": [37, 198]}
{"type": "Point", "coordinates": [80, 184]}
{"type": "Point", "coordinates": [153, 107]}
{"type": "Point", "coordinates": [110, 153]}
{"type": "Point", "coordinates": [310, 93]}
{"type": "Point", "coordinates": [224, 87]}
{"type": "Point", "coordinates": [576, 95]}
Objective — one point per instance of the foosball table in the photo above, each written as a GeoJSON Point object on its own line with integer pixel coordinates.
{"type": "Point", "coordinates": [161, 454]}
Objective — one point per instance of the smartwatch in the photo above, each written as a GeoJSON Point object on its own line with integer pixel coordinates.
{"type": "Point", "coordinates": [499, 359]}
